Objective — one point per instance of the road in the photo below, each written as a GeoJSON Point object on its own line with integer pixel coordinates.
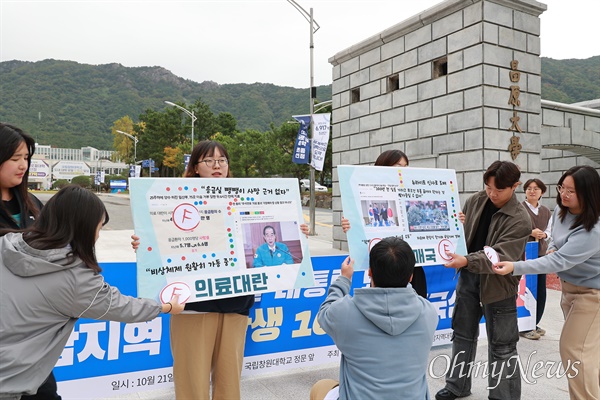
{"type": "Point", "coordinates": [119, 211]}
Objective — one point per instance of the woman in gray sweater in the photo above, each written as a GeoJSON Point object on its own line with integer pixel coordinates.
{"type": "Point", "coordinates": [574, 254]}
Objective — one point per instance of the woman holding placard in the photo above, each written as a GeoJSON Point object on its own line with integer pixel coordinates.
{"type": "Point", "coordinates": [574, 254]}
{"type": "Point", "coordinates": [397, 158]}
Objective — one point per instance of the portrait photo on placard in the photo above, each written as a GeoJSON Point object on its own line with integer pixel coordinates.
{"type": "Point", "coordinates": [271, 243]}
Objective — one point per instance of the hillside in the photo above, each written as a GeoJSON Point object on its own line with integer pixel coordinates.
{"type": "Point", "coordinates": [68, 104]}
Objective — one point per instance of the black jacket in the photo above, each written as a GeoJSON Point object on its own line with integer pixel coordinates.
{"type": "Point", "coordinates": [7, 221]}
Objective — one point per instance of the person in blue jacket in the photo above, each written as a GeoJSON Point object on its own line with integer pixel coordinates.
{"type": "Point", "coordinates": [271, 253]}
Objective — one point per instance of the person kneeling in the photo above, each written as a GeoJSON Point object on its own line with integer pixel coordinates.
{"type": "Point", "coordinates": [384, 332]}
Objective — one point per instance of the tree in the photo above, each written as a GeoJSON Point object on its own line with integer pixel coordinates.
{"type": "Point", "coordinates": [174, 159]}
{"type": "Point", "coordinates": [82, 180]}
{"type": "Point", "coordinates": [123, 145]}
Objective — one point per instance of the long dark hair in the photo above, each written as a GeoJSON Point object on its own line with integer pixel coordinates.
{"type": "Point", "coordinates": [205, 148]}
{"type": "Point", "coordinates": [587, 190]}
{"type": "Point", "coordinates": [11, 138]}
{"type": "Point", "coordinates": [69, 218]}
{"type": "Point", "coordinates": [390, 158]}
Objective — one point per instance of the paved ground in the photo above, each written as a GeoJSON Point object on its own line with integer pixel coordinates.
{"type": "Point", "coordinates": [113, 246]}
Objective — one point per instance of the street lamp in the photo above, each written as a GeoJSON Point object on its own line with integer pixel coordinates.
{"type": "Point", "coordinates": [188, 112]}
{"type": "Point", "coordinates": [135, 141]}
{"type": "Point", "coordinates": [314, 26]}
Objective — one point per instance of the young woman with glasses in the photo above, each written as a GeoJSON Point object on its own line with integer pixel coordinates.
{"type": "Point", "coordinates": [574, 254]}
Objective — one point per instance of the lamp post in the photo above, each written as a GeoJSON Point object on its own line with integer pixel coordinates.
{"type": "Point", "coordinates": [188, 112]}
{"type": "Point", "coordinates": [314, 26]}
{"type": "Point", "coordinates": [135, 141]}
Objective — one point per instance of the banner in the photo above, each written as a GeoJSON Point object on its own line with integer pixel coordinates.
{"type": "Point", "coordinates": [208, 238]}
{"type": "Point", "coordinates": [320, 140]}
{"type": "Point", "coordinates": [419, 205]}
{"type": "Point", "coordinates": [115, 358]}
{"type": "Point", "coordinates": [302, 145]}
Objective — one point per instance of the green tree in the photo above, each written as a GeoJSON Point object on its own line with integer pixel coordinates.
{"type": "Point", "coordinates": [82, 180]}
{"type": "Point", "coordinates": [123, 145]}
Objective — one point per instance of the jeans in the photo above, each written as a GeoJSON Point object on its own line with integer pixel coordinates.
{"type": "Point", "coordinates": [48, 390]}
{"type": "Point", "coordinates": [504, 379]}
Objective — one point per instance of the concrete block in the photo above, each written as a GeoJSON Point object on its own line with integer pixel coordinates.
{"type": "Point", "coordinates": [472, 182]}
{"type": "Point", "coordinates": [466, 161]}
{"type": "Point", "coordinates": [442, 161]}
{"type": "Point", "coordinates": [473, 140]}
{"type": "Point", "coordinates": [528, 63]}
{"type": "Point", "coordinates": [490, 33]}
{"type": "Point", "coordinates": [369, 58]}
{"type": "Point", "coordinates": [420, 146]}
{"type": "Point", "coordinates": [526, 23]}
{"type": "Point", "coordinates": [344, 98]}
{"type": "Point", "coordinates": [336, 157]}
{"type": "Point", "coordinates": [496, 97]}
{"type": "Point", "coordinates": [592, 123]}
{"type": "Point", "coordinates": [350, 157]}
{"type": "Point", "coordinates": [359, 78]}
{"type": "Point", "coordinates": [405, 61]}
{"type": "Point", "coordinates": [405, 132]}
{"type": "Point", "coordinates": [359, 140]}
{"type": "Point", "coordinates": [417, 74]}
{"type": "Point", "coordinates": [417, 38]}
{"type": "Point", "coordinates": [340, 85]}
{"type": "Point", "coordinates": [448, 143]}
{"type": "Point", "coordinates": [465, 38]}
{"type": "Point", "coordinates": [455, 62]}
{"type": "Point", "coordinates": [473, 56]}
{"type": "Point", "coordinates": [370, 90]}
{"type": "Point", "coordinates": [370, 122]}
{"type": "Point", "coordinates": [534, 164]}
{"type": "Point", "coordinates": [381, 103]}
{"type": "Point", "coordinates": [381, 136]}
{"type": "Point", "coordinates": [349, 127]}
{"type": "Point", "coordinates": [340, 144]}
{"type": "Point", "coordinates": [447, 25]}
{"type": "Point", "coordinates": [393, 48]}
{"type": "Point", "coordinates": [513, 39]}
{"type": "Point", "coordinates": [381, 70]}
{"type": "Point", "coordinates": [448, 104]}
{"type": "Point", "coordinates": [496, 139]}
{"type": "Point", "coordinates": [369, 155]}
{"type": "Point", "coordinates": [432, 51]}
{"type": "Point", "coordinates": [557, 135]}
{"type": "Point", "coordinates": [336, 130]}
{"type": "Point", "coordinates": [490, 118]}
{"type": "Point", "coordinates": [495, 55]}
{"type": "Point", "coordinates": [465, 120]}
{"type": "Point", "coordinates": [465, 79]}
{"type": "Point", "coordinates": [473, 97]}
{"type": "Point", "coordinates": [553, 117]}
{"type": "Point", "coordinates": [575, 121]}
{"type": "Point", "coordinates": [531, 142]}
{"type": "Point", "coordinates": [491, 76]}
{"type": "Point", "coordinates": [530, 102]}
{"type": "Point", "coordinates": [505, 82]}
{"type": "Point", "coordinates": [497, 14]}
{"type": "Point", "coordinates": [350, 66]}
{"type": "Point", "coordinates": [336, 101]}
{"type": "Point", "coordinates": [432, 126]}
{"type": "Point", "coordinates": [534, 123]}
{"type": "Point", "coordinates": [418, 111]}
{"type": "Point", "coordinates": [404, 96]}
{"type": "Point", "coordinates": [432, 88]}
{"type": "Point", "coordinates": [340, 114]}
{"type": "Point", "coordinates": [359, 109]}
{"type": "Point", "coordinates": [392, 117]}
{"type": "Point", "coordinates": [533, 45]}
{"type": "Point", "coordinates": [336, 72]}
{"type": "Point", "coordinates": [472, 14]}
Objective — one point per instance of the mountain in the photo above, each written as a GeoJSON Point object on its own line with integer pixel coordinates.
{"type": "Point", "coordinates": [68, 104]}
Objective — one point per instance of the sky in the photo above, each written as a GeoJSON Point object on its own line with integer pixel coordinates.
{"type": "Point", "coordinates": [243, 41]}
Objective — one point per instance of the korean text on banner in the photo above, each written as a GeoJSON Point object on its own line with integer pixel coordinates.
{"type": "Point", "coordinates": [302, 145]}
{"type": "Point", "coordinates": [202, 236]}
{"type": "Point", "coordinates": [320, 140]}
{"type": "Point", "coordinates": [419, 205]}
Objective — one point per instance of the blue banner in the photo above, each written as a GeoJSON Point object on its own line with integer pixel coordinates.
{"type": "Point", "coordinates": [302, 145]}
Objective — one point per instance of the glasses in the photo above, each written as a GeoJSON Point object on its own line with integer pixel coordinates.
{"type": "Point", "coordinates": [211, 163]}
{"type": "Point", "coordinates": [564, 192]}
{"type": "Point", "coordinates": [533, 189]}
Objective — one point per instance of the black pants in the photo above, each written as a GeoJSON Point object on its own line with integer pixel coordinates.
{"type": "Point", "coordinates": [48, 390]}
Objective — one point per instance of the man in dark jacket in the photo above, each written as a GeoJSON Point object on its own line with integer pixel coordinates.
{"type": "Point", "coordinates": [492, 217]}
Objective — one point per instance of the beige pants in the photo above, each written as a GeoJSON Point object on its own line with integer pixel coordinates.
{"type": "Point", "coordinates": [580, 340]}
{"type": "Point", "coordinates": [208, 347]}
{"type": "Point", "coordinates": [321, 388]}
